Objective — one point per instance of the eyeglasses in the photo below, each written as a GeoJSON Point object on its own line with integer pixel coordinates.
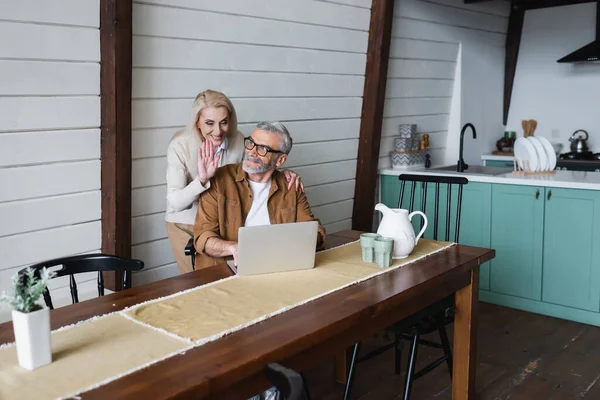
{"type": "Point", "coordinates": [262, 150]}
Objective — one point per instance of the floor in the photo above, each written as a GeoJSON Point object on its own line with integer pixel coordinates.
{"type": "Point", "coordinates": [520, 356]}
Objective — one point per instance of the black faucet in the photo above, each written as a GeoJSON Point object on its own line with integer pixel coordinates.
{"type": "Point", "coordinates": [461, 165]}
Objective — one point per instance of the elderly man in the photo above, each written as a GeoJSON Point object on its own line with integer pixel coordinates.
{"type": "Point", "coordinates": [249, 194]}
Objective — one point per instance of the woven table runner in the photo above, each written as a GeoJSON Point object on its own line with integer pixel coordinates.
{"type": "Point", "coordinates": [97, 351]}
{"type": "Point", "coordinates": [86, 355]}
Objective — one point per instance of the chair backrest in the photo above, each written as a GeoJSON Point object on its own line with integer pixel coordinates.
{"type": "Point", "coordinates": [289, 383]}
{"type": "Point", "coordinates": [87, 263]}
{"type": "Point", "coordinates": [439, 183]}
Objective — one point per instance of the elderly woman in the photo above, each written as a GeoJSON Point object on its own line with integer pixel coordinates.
{"type": "Point", "coordinates": [211, 135]}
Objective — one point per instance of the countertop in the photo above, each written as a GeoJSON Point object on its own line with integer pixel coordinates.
{"type": "Point", "coordinates": [561, 179]}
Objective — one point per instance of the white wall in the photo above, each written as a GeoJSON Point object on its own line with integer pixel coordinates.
{"type": "Point", "coordinates": [482, 101]}
{"type": "Point", "coordinates": [49, 135]}
{"type": "Point", "coordinates": [425, 45]}
{"type": "Point", "coordinates": [561, 97]}
{"type": "Point", "coordinates": [300, 62]}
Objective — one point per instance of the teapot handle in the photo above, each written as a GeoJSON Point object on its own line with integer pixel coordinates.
{"type": "Point", "coordinates": [576, 132]}
{"type": "Point", "coordinates": [424, 225]}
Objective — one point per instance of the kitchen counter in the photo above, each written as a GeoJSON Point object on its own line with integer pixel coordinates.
{"type": "Point", "coordinates": [561, 179]}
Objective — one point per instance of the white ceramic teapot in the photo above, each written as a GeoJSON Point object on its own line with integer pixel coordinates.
{"type": "Point", "coordinates": [396, 223]}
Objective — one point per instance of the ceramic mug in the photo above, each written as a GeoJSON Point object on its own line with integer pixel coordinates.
{"type": "Point", "coordinates": [384, 247]}
{"type": "Point", "coordinates": [367, 242]}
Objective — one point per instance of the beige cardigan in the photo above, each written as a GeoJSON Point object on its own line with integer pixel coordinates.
{"type": "Point", "coordinates": [183, 186]}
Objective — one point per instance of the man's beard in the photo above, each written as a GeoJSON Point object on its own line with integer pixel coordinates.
{"type": "Point", "coordinates": [262, 167]}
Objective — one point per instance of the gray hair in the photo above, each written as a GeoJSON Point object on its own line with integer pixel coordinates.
{"type": "Point", "coordinates": [278, 127]}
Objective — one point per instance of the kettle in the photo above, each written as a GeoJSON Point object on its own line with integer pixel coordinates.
{"type": "Point", "coordinates": [578, 144]}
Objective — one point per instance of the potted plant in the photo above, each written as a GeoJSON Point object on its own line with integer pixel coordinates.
{"type": "Point", "coordinates": [31, 321]}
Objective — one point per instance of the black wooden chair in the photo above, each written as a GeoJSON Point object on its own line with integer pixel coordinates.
{"type": "Point", "coordinates": [289, 383]}
{"type": "Point", "coordinates": [87, 263]}
{"type": "Point", "coordinates": [190, 250]}
{"type": "Point", "coordinates": [436, 316]}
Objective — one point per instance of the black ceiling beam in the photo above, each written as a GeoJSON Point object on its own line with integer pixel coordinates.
{"type": "Point", "coordinates": [597, 19]}
{"type": "Point", "coordinates": [513, 42]}
{"type": "Point", "coordinates": [534, 4]}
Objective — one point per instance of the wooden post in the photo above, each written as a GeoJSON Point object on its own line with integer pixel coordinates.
{"type": "Point", "coordinates": [115, 115]}
{"type": "Point", "coordinates": [597, 19]}
{"type": "Point", "coordinates": [378, 52]}
{"type": "Point", "coordinates": [513, 42]}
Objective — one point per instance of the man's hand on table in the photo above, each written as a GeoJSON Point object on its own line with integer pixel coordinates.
{"type": "Point", "coordinates": [217, 247]}
{"type": "Point", "coordinates": [233, 248]}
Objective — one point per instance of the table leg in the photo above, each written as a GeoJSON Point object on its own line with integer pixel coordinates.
{"type": "Point", "coordinates": [341, 373]}
{"type": "Point", "coordinates": [465, 340]}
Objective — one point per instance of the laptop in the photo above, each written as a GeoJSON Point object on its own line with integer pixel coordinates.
{"type": "Point", "coordinates": [275, 248]}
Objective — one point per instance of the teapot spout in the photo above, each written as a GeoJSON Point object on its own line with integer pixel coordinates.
{"type": "Point", "coordinates": [382, 207]}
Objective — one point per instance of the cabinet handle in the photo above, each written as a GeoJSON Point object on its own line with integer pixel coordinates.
{"type": "Point", "coordinates": [549, 194]}
{"type": "Point", "coordinates": [537, 194]}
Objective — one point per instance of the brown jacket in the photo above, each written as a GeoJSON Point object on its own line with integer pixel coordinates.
{"type": "Point", "coordinates": [223, 209]}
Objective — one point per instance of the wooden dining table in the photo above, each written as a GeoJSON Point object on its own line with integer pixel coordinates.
{"type": "Point", "coordinates": [232, 367]}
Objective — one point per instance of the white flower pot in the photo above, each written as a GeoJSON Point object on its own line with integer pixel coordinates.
{"type": "Point", "coordinates": [32, 336]}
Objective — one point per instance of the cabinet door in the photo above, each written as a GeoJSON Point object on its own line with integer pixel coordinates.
{"type": "Point", "coordinates": [474, 221]}
{"type": "Point", "coordinates": [390, 190]}
{"type": "Point", "coordinates": [390, 195]}
{"type": "Point", "coordinates": [571, 264]}
{"type": "Point", "coordinates": [517, 236]}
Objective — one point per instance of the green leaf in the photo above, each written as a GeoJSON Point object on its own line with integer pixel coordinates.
{"type": "Point", "coordinates": [27, 289]}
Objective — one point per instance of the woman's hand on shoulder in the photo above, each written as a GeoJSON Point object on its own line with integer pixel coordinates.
{"type": "Point", "coordinates": [207, 162]}
{"type": "Point", "coordinates": [293, 179]}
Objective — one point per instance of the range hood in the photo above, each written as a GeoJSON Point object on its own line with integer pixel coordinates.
{"type": "Point", "coordinates": [590, 52]}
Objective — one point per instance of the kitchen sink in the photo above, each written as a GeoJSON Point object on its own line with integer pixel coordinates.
{"type": "Point", "coordinates": [475, 170]}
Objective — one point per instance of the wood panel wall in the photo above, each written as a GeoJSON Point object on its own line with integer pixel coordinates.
{"type": "Point", "coordinates": [49, 135]}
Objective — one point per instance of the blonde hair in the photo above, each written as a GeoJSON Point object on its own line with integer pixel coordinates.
{"type": "Point", "coordinates": [210, 98]}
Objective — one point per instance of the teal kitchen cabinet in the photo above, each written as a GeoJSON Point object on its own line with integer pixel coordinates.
{"type": "Point", "coordinates": [547, 243]}
{"type": "Point", "coordinates": [517, 236]}
{"type": "Point", "coordinates": [390, 192]}
{"type": "Point", "coordinates": [475, 218]}
{"type": "Point", "coordinates": [571, 274]}
{"type": "Point", "coordinates": [475, 223]}
{"type": "Point", "coordinates": [390, 195]}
